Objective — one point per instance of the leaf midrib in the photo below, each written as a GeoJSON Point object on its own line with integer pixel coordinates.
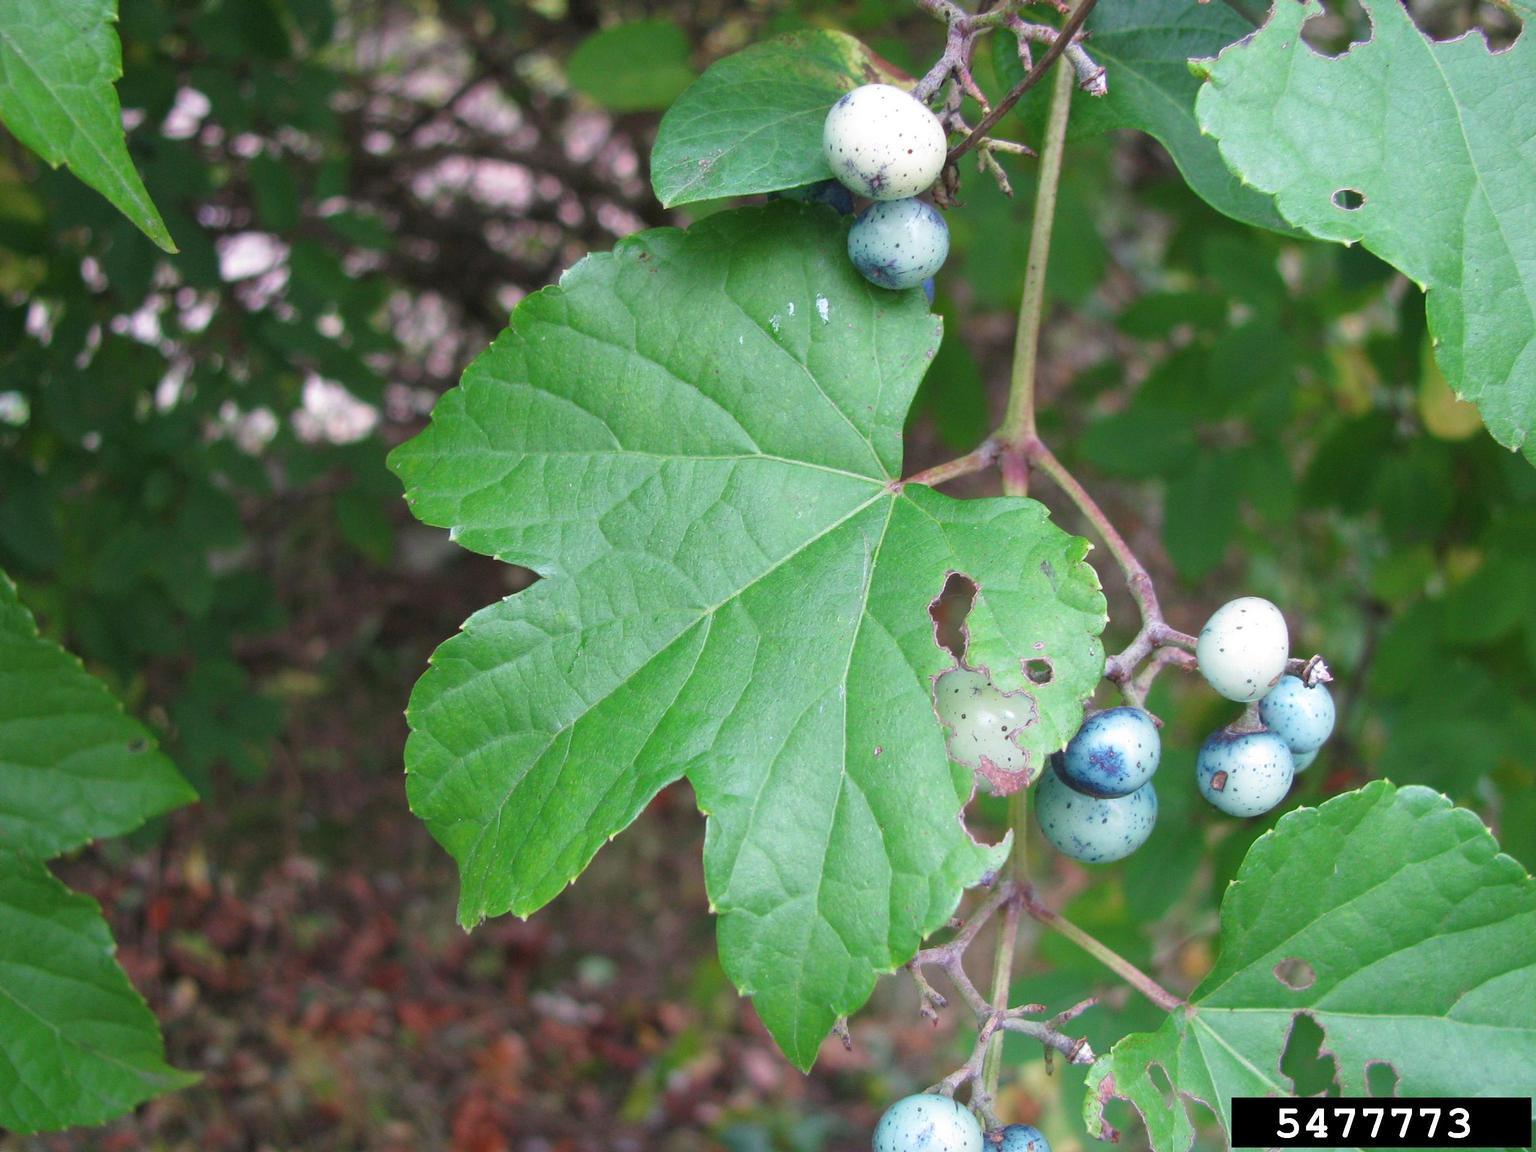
{"type": "Point", "coordinates": [80, 129]}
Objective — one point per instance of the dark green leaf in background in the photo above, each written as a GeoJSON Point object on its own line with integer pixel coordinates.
{"type": "Point", "coordinates": [1146, 45]}
{"type": "Point", "coordinates": [632, 67]}
{"type": "Point", "coordinates": [752, 123]}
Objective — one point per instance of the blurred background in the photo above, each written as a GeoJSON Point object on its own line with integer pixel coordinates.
{"type": "Point", "coordinates": [193, 498]}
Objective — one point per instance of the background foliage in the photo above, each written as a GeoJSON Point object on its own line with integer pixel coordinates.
{"type": "Point", "coordinates": [193, 498]}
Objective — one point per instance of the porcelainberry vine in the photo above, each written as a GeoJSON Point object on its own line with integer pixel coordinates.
{"type": "Point", "coordinates": [694, 448]}
{"type": "Point", "coordinates": [742, 584]}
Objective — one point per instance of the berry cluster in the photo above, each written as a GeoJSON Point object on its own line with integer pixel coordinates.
{"type": "Point", "coordinates": [885, 145]}
{"type": "Point", "coordinates": [1095, 801]}
{"type": "Point", "coordinates": [928, 1122]}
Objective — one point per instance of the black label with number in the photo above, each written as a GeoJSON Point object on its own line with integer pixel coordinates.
{"type": "Point", "coordinates": [1373, 1122]}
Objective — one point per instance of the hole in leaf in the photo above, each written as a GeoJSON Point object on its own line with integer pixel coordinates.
{"type": "Point", "coordinates": [1039, 670]}
{"type": "Point", "coordinates": [1381, 1080]}
{"type": "Point", "coordinates": [1338, 27]}
{"type": "Point", "coordinates": [1312, 1069]}
{"type": "Point", "coordinates": [1348, 199]}
{"type": "Point", "coordinates": [1160, 1080]}
{"type": "Point", "coordinates": [1295, 973]}
{"type": "Point", "coordinates": [949, 610]}
{"type": "Point", "coordinates": [138, 744]}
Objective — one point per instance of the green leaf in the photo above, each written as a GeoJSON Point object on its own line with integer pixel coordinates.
{"type": "Point", "coordinates": [696, 441]}
{"type": "Point", "coordinates": [58, 62]}
{"type": "Point", "coordinates": [77, 1044]}
{"type": "Point", "coordinates": [1412, 948]}
{"type": "Point", "coordinates": [1436, 139]}
{"type": "Point", "coordinates": [752, 123]}
{"type": "Point", "coordinates": [632, 67]}
{"type": "Point", "coordinates": [1146, 46]}
{"type": "Point", "coordinates": [72, 766]}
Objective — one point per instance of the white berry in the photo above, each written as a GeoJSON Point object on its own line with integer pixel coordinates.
{"type": "Point", "coordinates": [883, 143]}
{"type": "Point", "coordinates": [1243, 648]}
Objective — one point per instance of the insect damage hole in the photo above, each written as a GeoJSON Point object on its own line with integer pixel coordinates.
{"type": "Point", "coordinates": [948, 611]}
{"type": "Point", "coordinates": [1039, 670]}
{"type": "Point", "coordinates": [1349, 199]}
{"type": "Point", "coordinates": [1295, 973]}
{"type": "Point", "coordinates": [1312, 1069]}
{"type": "Point", "coordinates": [1381, 1080]}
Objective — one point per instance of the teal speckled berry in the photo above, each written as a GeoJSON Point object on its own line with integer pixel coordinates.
{"type": "Point", "coordinates": [1244, 773]}
{"type": "Point", "coordinates": [1114, 753]}
{"type": "Point", "coordinates": [1093, 829]}
{"type": "Point", "coordinates": [883, 143]}
{"type": "Point", "coordinates": [1301, 716]}
{"type": "Point", "coordinates": [1303, 760]}
{"type": "Point", "coordinates": [927, 1123]}
{"type": "Point", "coordinates": [1022, 1138]}
{"type": "Point", "coordinates": [898, 243]}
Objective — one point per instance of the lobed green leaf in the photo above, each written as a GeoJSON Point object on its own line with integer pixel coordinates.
{"type": "Point", "coordinates": [77, 1044]}
{"type": "Point", "coordinates": [73, 767]}
{"type": "Point", "coordinates": [696, 440]}
{"type": "Point", "coordinates": [1412, 950]}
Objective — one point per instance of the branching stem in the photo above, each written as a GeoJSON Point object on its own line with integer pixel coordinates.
{"type": "Point", "coordinates": [1049, 57]}
{"type": "Point", "coordinates": [1104, 954]}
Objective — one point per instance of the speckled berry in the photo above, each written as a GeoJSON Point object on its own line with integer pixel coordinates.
{"type": "Point", "coordinates": [898, 243]}
{"type": "Point", "coordinates": [828, 192]}
{"type": "Point", "coordinates": [1093, 829]}
{"type": "Point", "coordinates": [1243, 648]}
{"type": "Point", "coordinates": [883, 143]}
{"type": "Point", "coordinates": [1114, 753]}
{"type": "Point", "coordinates": [982, 723]}
{"type": "Point", "coordinates": [1301, 716]}
{"type": "Point", "coordinates": [927, 1123]}
{"type": "Point", "coordinates": [1022, 1138]}
{"type": "Point", "coordinates": [1244, 773]}
{"type": "Point", "coordinates": [1303, 760]}
{"type": "Point", "coordinates": [928, 289]}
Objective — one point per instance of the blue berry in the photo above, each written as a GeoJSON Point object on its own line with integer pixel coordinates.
{"type": "Point", "coordinates": [1022, 1138]}
{"type": "Point", "coordinates": [898, 243]}
{"type": "Point", "coordinates": [1244, 773]}
{"type": "Point", "coordinates": [928, 289]}
{"type": "Point", "coordinates": [927, 1123]}
{"type": "Point", "coordinates": [1304, 759]}
{"type": "Point", "coordinates": [828, 192]}
{"type": "Point", "coordinates": [1301, 716]}
{"type": "Point", "coordinates": [1093, 829]}
{"type": "Point", "coordinates": [1114, 753]}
